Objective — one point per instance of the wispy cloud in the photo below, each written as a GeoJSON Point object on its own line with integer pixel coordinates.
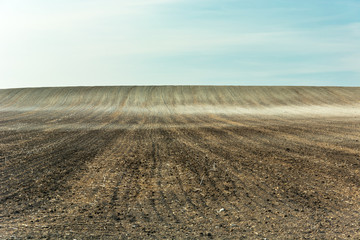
{"type": "Point", "coordinates": [177, 41]}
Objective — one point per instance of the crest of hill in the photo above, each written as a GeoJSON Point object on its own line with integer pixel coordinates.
{"type": "Point", "coordinates": [170, 98]}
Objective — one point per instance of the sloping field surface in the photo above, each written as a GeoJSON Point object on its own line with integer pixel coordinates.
{"type": "Point", "coordinates": [180, 162]}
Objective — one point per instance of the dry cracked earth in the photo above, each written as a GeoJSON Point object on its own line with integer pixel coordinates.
{"type": "Point", "coordinates": [180, 163]}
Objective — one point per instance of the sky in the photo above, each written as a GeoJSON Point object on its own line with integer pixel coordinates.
{"type": "Point", "coordinates": [179, 42]}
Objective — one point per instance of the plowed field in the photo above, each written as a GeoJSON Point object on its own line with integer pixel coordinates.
{"type": "Point", "coordinates": [180, 162]}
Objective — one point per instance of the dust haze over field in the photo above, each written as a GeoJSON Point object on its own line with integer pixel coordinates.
{"type": "Point", "coordinates": [180, 162]}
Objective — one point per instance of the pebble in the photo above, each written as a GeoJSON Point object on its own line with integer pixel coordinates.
{"type": "Point", "coordinates": [221, 210]}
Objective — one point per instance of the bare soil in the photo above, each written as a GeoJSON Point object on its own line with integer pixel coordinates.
{"type": "Point", "coordinates": [77, 168]}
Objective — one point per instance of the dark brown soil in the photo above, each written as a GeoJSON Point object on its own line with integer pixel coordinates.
{"type": "Point", "coordinates": [179, 176]}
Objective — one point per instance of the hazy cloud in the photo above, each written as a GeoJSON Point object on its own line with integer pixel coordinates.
{"type": "Point", "coordinates": [47, 43]}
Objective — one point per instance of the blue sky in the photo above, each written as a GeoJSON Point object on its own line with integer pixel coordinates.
{"type": "Point", "coordinates": [176, 42]}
